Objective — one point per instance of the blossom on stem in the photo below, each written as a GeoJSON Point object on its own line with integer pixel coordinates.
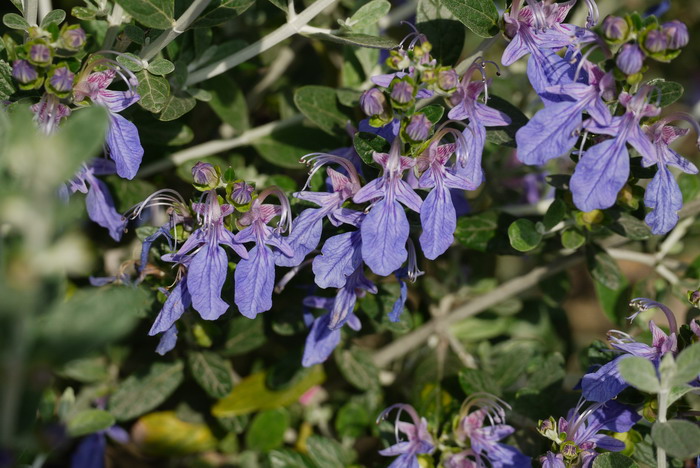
{"type": "Point", "coordinates": [419, 439]}
{"type": "Point", "coordinates": [122, 135]}
{"type": "Point", "coordinates": [606, 382]}
{"type": "Point", "coordinates": [255, 275]}
{"type": "Point", "coordinates": [604, 168]}
{"type": "Point", "coordinates": [385, 229]}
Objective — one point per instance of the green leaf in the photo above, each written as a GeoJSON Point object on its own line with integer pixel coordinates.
{"type": "Point", "coordinates": [613, 301]}
{"type": "Point", "coordinates": [476, 231]}
{"type": "Point", "coordinates": [352, 420]}
{"type": "Point", "coordinates": [348, 97]}
{"type": "Point", "coordinates": [252, 394]}
{"type": "Point", "coordinates": [83, 13]}
{"type": "Point", "coordinates": [603, 268]}
{"type": "Point", "coordinates": [367, 143]}
{"type": "Point", "coordinates": [614, 460]}
{"type": "Point", "coordinates": [89, 421]}
{"type": "Point", "coordinates": [286, 458]}
{"type": "Point", "coordinates": [53, 17]}
{"type": "Point", "coordinates": [545, 371]}
{"type": "Point", "coordinates": [629, 226]}
{"type": "Point", "coordinates": [154, 91]}
{"type": "Point", "coordinates": [15, 21]}
{"type": "Point", "coordinates": [640, 373]}
{"type": "Point", "coordinates": [680, 439]}
{"type": "Point", "coordinates": [18, 5]}
{"type": "Point", "coordinates": [145, 391]}
{"type": "Point", "coordinates": [127, 193]}
{"type": "Point", "coordinates": [523, 235]}
{"type": "Point", "coordinates": [320, 105]}
{"type": "Point", "coordinates": [158, 133]}
{"type": "Point", "coordinates": [555, 214]}
{"type": "Point", "coordinates": [667, 92]}
{"type": "Point", "coordinates": [480, 16]}
{"type": "Point", "coordinates": [326, 452]}
{"type": "Point", "coordinates": [285, 146]}
{"type": "Point", "coordinates": [572, 239]}
{"type": "Point", "coordinates": [505, 136]}
{"type": "Point", "coordinates": [212, 372]}
{"type": "Point", "coordinates": [131, 62]}
{"type": "Point", "coordinates": [433, 113]}
{"type": "Point", "coordinates": [687, 365]}
{"type": "Point", "coordinates": [357, 39]}
{"type": "Point", "coordinates": [85, 370]}
{"type": "Point", "coordinates": [444, 32]}
{"type": "Point", "coordinates": [368, 14]}
{"type": "Point", "coordinates": [475, 380]}
{"type": "Point", "coordinates": [266, 432]}
{"type": "Point", "coordinates": [220, 11]}
{"type": "Point", "coordinates": [689, 185]}
{"type": "Point", "coordinates": [228, 102]}
{"type": "Point", "coordinates": [175, 107]}
{"type": "Point", "coordinates": [157, 14]}
{"type": "Point", "coordinates": [76, 326]}
{"type": "Point", "coordinates": [357, 367]}
{"type": "Point", "coordinates": [161, 67]}
{"type": "Point", "coordinates": [244, 335]}
{"type": "Point", "coordinates": [7, 87]}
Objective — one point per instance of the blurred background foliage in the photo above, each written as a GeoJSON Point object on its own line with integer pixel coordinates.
{"type": "Point", "coordinates": [77, 361]}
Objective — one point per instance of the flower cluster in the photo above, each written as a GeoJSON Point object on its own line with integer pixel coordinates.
{"type": "Point", "coordinates": [53, 61]}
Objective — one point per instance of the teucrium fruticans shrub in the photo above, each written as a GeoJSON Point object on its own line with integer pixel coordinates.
{"type": "Point", "coordinates": [418, 156]}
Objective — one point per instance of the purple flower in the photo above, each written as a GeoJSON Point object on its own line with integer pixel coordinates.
{"type": "Point", "coordinates": [324, 335]}
{"type": "Point", "coordinates": [656, 41]}
{"type": "Point", "coordinates": [307, 227]}
{"type": "Point", "coordinates": [205, 175]}
{"type": "Point", "coordinates": [554, 130]}
{"type": "Point", "coordinates": [615, 28]}
{"type": "Point", "coordinates": [604, 168]}
{"type": "Point", "coordinates": [447, 80]}
{"type": "Point", "coordinates": [242, 193]}
{"type": "Point", "coordinates": [372, 102]}
{"type": "Point", "coordinates": [402, 92]}
{"type": "Point", "coordinates": [419, 127]}
{"type": "Point", "coordinates": [49, 112]}
{"type": "Point", "coordinates": [419, 439]}
{"type": "Point", "coordinates": [480, 116]}
{"type": "Point", "coordinates": [90, 453]}
{"type": "Point", "coordinates": [177, 302]}
{"type": "Point", "coordinates": [340, 256]}
{"type": "Point", "coordinates": [206, 259]}
{"type": "Point", "coordinates": [385, 229]}
{"type": "Point", "coordinates": [630, 58]}
{"type": "Point", "coordinates": [122, 136]}
{"type": "Point", "coordinates": [73, 37]}
{"type": "Point", "coordinates": [484, 438]}
{"type": "Point", "coordinates": [551, 460]}
{"type": "Point", "coordinates": [61, 80]}
{"type": "Point", "coordinates": [677, 33]}
{"type": "Point", "coordinates": [100, 206]}
{"type": "Point", "coordinates": [581, 430]}
{"type": "Point", "coordinates": [40, 54]}
{"type": "Point", "coordinates": [23, 71]}
{"type": "Point", "coordinates": [438, 215]}
{"type": "Point", "coordinates": [662, 194]}
{"type": "Point", "coordinates": [255, 275]}
{"type": "Point", "coordinates": [606, 382]}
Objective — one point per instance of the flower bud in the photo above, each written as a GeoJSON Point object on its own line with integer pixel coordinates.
{"type": "Point", "coordinates": [73, 38]}
{"type": "Point", "coordinates": [630, 59]}
{"type": "Point", "coordinates": [40, 54]}
{"type": "Point", "coordinates": [242, 193]}
{"type": "Point", "coordinates": [418, 127]}
{"type": "Point", "coordinates": [694, 298]}
{"type": "Point", "coordinates": [402, 92]}
{"type": "Point", "coordinates": [205, 174]}
{"type": "Point", "coordinates": [677, 33]}
{"type": "Point", "coordinates": [656, 41]}
{"type": "Point", "coordinates": [23, 72]}
{"type": "Point", "coordinates": [569, 450]}
{"type": "Point", "coordinates": [60, 80]}
{"type": "Point", "coordinates": [372, 102]}
{"type": "Point", "coordinates": [398, 59]}
{"type": "Point", "coordinates": [615, 28]}
{"type": "Point", "coordinates": [448, 79]}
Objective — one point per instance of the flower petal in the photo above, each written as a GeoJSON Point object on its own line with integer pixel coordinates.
{"type": "Point", "coordinates": [175, 305]}
{"type": "Point", "coordinates": [439, 222]}
{"type": "Point", "coordinates": [255, 280]}
{"type": "Point", "coordinates": [600, 175]}
{"type": "Point", "coordinates": [100, 209]}
{"type": "Point", "coordinates": [205, 279]}
{"type": "Point", "coordinates": [384, 234]}
{"type": "Point", "coordinates": [604, 384]}
{"type": "Point", "coordinates": [124, 146]}
{"type": "Point", "coordinates": [551, 133]}
{"type": "Point", "coordinates": [664, 197]}
{"type": "Point", "coordinates": [340, 256]}
{"type": "Point", "coordinates": [167, 341]}
{"type": "Point", "coordinates": [320, 342]}
{"type": "Point", "coordinates": [305, 236]}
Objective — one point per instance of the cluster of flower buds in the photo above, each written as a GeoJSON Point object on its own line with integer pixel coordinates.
{"type": "Point", "coordinates": [47, 58]}
{"type": "Point", "coordinates": [641, 38]}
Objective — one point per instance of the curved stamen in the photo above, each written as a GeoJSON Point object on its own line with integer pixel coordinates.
{"type": "Point", "coordinates": [681, 116]}
{"type": "Point", "coordinates": [582, 60]}
{"type": "Point", "coordinates": [593, 14]}
{"type": "Point", "coordinates": [537, 14]}
{"type": "Point", "coordinates": [642, 304]}
{"type": "Point", "coordinates": [285, 222]}
{"type": "Point", "coordinates": [413, 271]}
{"type": "Point", "coordinates": [163, 197]}
{"type": "Point", "coordinates": [318, 160]}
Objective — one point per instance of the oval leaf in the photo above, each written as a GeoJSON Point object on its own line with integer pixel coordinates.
{"type": "Point", "coordinates": [680, 439]}
{"type": "Point", "coordinates": [212, 373]}
{"type": "Point", "coordinates": [89, 421]}
{"type": "Point", "coordinates": [640, 373]}
{"type": "Point", "coordinates": [523, 235]}
{"type": "Point", "coordinates": [480, 16]}
{"type": "Point", "coordinates": [320, 105]}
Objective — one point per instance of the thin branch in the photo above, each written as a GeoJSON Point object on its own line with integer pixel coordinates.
{"type": "Point", "coordinates": [114, 19]}
{"type": "Point", "coordinates": [31, 11]}
{"type": "Point", "coordinates": [275, 37]}
{"type": "Point", "coordinates": [676, 235]}
{"type": "Point", "coordinates": [169, 35]}
{"type": "Point", "coordinates": [217, 146]}
{"type": "Point", "coordinates": [277, 68]}
{"type": "Point", "coordinates": [45, 6]}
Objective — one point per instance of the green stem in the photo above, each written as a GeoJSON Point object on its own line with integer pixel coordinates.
{"type": "Point", "coordinates": [168, 36]}
{"type": "Point", "coordinates": [663, 406]}
{"type": "Point", "coordinates": [31, 11]}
